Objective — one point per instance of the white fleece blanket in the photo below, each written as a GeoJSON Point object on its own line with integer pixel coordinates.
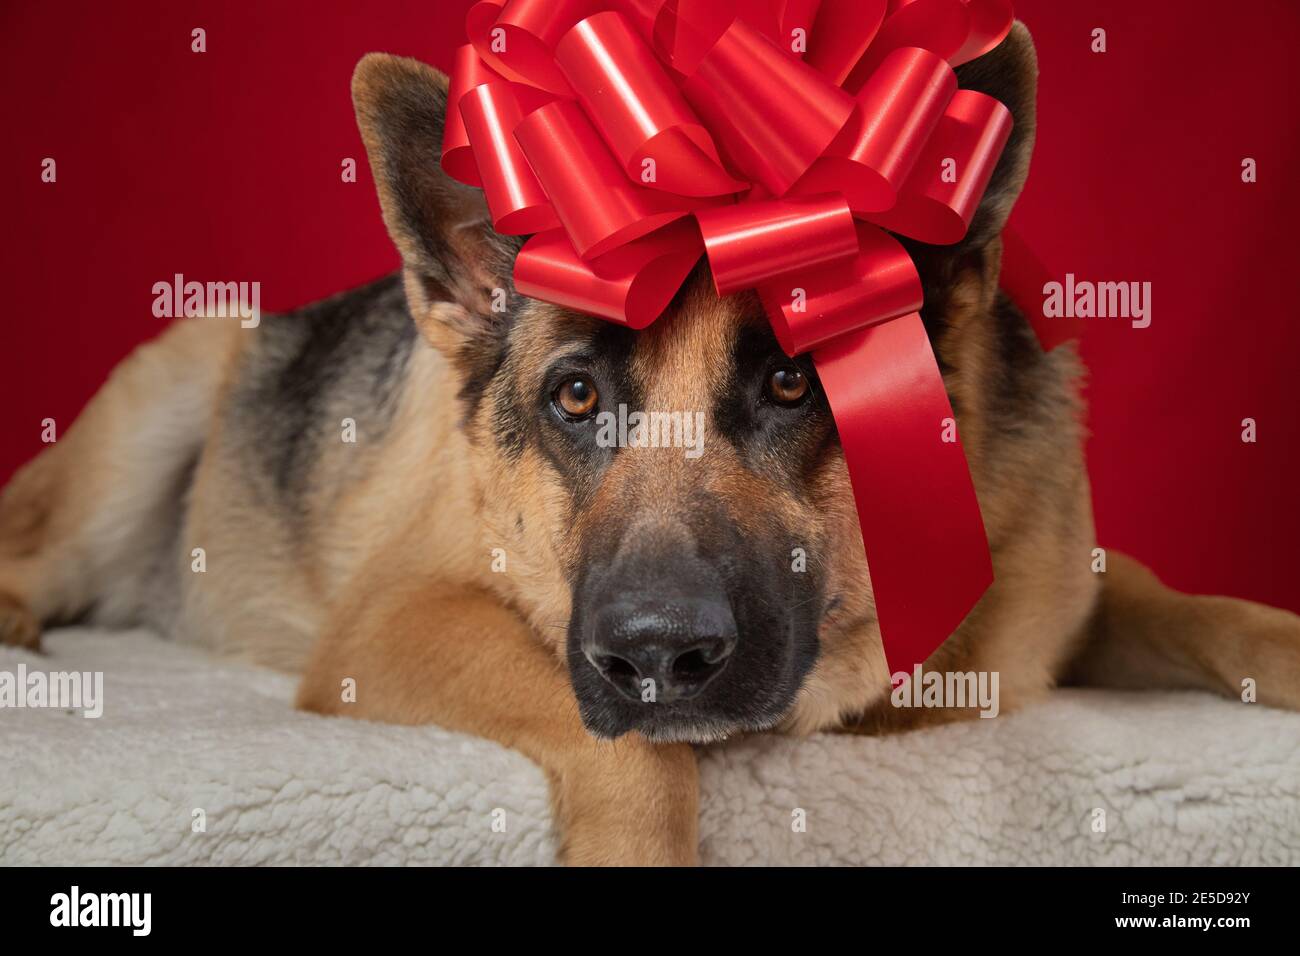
{"type": "Point", "coordinates": [1181, 778]}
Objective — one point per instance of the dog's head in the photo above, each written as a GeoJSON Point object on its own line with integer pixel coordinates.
{"type": "Point", "coordinates": [671, 506]}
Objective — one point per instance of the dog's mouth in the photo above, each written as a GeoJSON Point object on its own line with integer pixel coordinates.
{"type": "Point", "coordinates": [668, 727]}
{"type": "Point", "coordinates": [698, 722]}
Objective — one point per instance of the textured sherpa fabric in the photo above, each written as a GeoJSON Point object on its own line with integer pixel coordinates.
{"type": "Point", "coordinates": [1181, 778]}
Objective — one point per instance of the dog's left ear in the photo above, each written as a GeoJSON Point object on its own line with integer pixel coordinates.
{"type": "Point", "coordinates": [1008, 73]}
{"type": "Point", "coordinates": [453, 261]}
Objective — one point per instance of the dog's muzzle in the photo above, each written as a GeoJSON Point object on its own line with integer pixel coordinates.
{"type": "Point", "coordinates": [686, 634]}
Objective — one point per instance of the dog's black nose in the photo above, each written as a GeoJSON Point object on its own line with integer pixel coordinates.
{"type": "Point", "coordinates": [661, 650]}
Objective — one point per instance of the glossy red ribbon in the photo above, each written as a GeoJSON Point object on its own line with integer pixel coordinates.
{"type": "Point", "coordinates": [782, 138]}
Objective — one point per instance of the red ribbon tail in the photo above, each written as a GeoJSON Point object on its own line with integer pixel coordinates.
{"type": "Point", "coordinates": [920, 520]}
{"type": "Point", "coordinates": [1023, 279]}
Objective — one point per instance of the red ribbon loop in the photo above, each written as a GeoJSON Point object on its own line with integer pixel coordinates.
{"type": "Point", "coordinates": [639, 111]}
{"type": "Point", "coordinates": [518, 203]}
{"type": "Point", "coordinates": [467, 72]}
{"type": "Point", "coordinates": [598, 205]}
{"type": "Point", "coordinates": [990, 22]}
{"type": "Point", "coordinates": [936, 207]}
{"type": "Point", "coordinates": [878, 284]}
{"type": "Point", "coordinates": [518, 39]}
{"type": "Point", "coordinates": [631, 285]}
{"type": "Point", "coordinates": [630, 135]}
{"type": "Point", "coordinates": [751, 243]}
{"type": "Point", "coordinates": [881, 144]}
{"type": "Point", "coordinates": [773, 114]}
{"type": "Point", "coordinates": [940, 26]}
{"type": "Point", "coordinates": [842, 33]}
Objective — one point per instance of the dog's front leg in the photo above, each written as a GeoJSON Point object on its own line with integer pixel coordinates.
{"type": "Point", "coordinates": [468, 664]}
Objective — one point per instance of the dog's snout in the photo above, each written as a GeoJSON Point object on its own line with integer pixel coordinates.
{"type": "Point", "coordinates": [661, 650]}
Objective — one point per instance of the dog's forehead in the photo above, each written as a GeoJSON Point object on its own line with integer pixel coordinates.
{"type": "Point", "coordinates": [682, 360]}
{"type": "Point", "coordinates": [686, 357]}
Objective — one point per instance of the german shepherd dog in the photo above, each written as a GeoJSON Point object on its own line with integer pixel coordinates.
{"type": "Point", "coordinates": [477, 559]}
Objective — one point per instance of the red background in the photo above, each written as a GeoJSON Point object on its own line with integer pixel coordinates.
{"type": "Point", "coordinates": [225, 166]}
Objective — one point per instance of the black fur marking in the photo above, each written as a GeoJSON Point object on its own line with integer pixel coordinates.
{"type": "Point", "coordinates": [603, 353]}
{"type": "Point", "coordinates": [783, 444]}
{"type": "Point", "coordinates": [483, 352]}
{"type": "Point", "coordinates": [510, 429]}
{"type": "Point", "coordinates": [344, 357]}
{"type": "Point", "coordinates": [1025, 393]}
{"type": "Point", "coordinates": [479, 359]}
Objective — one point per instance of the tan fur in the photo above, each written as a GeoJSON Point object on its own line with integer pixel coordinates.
{"type": "Point", "coordinates": [267, 598]}
{"type": "Point", "coordinates": [84, 519]}
{"type": "Point", "coordinates": [1145, 635]}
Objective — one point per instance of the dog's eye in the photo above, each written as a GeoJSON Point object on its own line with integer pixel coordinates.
{"type": "Point", "coordinates": [787, 386]}
{"type": "Point", "coordinates": [576, 397]}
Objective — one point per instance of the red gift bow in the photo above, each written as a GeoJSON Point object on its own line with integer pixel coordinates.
{"type": "Point", "coordinates": [621, 133]}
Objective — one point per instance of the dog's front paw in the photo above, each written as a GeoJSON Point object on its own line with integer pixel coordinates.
{"type": "Point", "coordinates": [635, 804]}
{"type": "Point", "coordinates": [628, 843]}
{"type": "Point", "coordinates": [18, 625]}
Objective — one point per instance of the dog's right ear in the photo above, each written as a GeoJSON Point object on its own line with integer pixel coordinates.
{"type": "Point", "coordinates": [454, 262]}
